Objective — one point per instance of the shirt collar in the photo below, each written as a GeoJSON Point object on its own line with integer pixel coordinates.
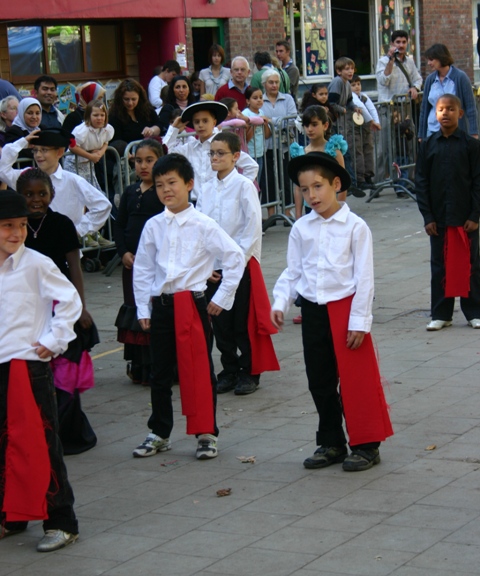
{"type": "Point", "coordinates": [181, 217]}
{"type": "Point", "coordinates": [232, 85]}
{"type": "Point", "coordinates": [14, 259]}
{"type": "Point", "coordinates": [288, 64]}
{"type": "Point", "coordinates": [340, 215]}
{"type": "Point", "coordinates": [225, 181]}
{"type": "Point", "coordinates": [58, 172]}
{"type": "Point", "coordinates": [457, 134]}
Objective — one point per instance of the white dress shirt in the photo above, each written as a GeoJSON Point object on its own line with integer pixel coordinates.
{"type": "Point", "coordinates": [197, 153]}
{"type": "Point", "coordinates": [234, 205]}
{"type": "Point", "coordinates": [154, 88]}
{"type": "Point", "coordinates": [29, 283]}
{"type": "Point", "coordinates": [328, 260]}
{"type": "Point", "coordinates": [177, 252]}
{"type": "Point", "coordinates": [72, 192]}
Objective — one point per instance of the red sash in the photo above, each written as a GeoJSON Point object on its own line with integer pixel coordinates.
{"type": "Point", "coordinates": [364, 405]}
{"type": "Point", "coordinates": [27, 462]}
{"type": "Point", "coordinates": [457, 262]}
{"type": "Point", "coordinates": [260, 327]}
{"type": "Point", "coordinates": [193, 366]}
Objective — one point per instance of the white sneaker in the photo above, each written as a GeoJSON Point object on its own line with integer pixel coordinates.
{"type": "Point", "coordinates": [103, 242]}
{"type": "Point", "coordinates": [435, 325]}
{"type": "Point", "coordinates": [54, 540]}
{"type": "Point", "coordinates": [474, 323]}
{"type": "Point", "coordinates": [90, 242]}
{"type": "Point", "coordinates": [151, 445]}
{"type": "Point", "coordinates": [207, 447]}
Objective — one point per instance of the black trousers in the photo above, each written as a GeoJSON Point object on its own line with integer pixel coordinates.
{"type": "Point", "coordinates": [442, 308]}
{"type": "Point", "coordinates": [60, 497]}
{"type": "Point", "coordinates": [230, 329]}
{"type": "Point", "coordinates": [322, 375]}
{"type": "Point", "coordinates": [164, 360]}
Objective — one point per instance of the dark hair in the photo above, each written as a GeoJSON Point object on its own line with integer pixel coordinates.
{"type": "Point", "coordinates": [193, 77]}
{"type": "Point", "coordinates": [229, 102]}
{"type": "Point", "coordinates": [285, 44]}
{"type": "Point", "coordinates": [171, 98]}
{"type": "Point", "coordinates": [143, 109]}
{"type": "Point", "coordinates": [250, 91]}
{"type": "Point", "coordinates": [343, 62]}
{"type": "Point", "coordinates": [46, 79]}
{"type": "Point", "coordinates": [157, 70]}
{"type": "Point", "coordinates": [171, 66]}
{"type": "Point", "coordinates": [231, 139]}
{"type": "Point", "coordinates": [308, 99]}
{"type": "Point", "coordinates": [164, 92]}
{"type": "Point", "coordinates": [95, 104]}
{"type": "Point", "coordinates": [34, 174]}
{"type": "Point", "coordinates": [399, 34]}
{"type": "Point", "coordinates": [175, 113]}
{"type": "Point", "coordinates": [356, 78]}
{"type": "Point", "coordinates": [439, 52]}
{"type": "Point", "coordinates": [262, 58]}
{"type": "Point", "coordinates": [174, 162]}
{"type": "Point", "coordinates": [315, 112]}
{"type": "Point", "coordinates": [324, 172]}
{"type": "Point", "coordinates": [154, 146]}
{"type": "Point", "coordinates": [452, 97]}
{"type": "Point", "coordinates": [214, 49]}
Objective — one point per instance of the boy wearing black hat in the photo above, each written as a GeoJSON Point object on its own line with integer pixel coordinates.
{"type": "Point", "coordinates": [203, 117]}
{"type": "Point", "coordinates": [330, 265]}
{"type": "Point", "coordinates": [72, 192]}
{"type": "Point", "coordinates": [34, 483]}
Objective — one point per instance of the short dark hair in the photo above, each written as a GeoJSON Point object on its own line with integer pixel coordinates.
{"type": "Point", "coordinates": [285, 44]}
{"type": "Point", "coordinates": [214, 49]}
{"type": "Point", "coordinates": [44, 79]}
{"type": "Point", "coordinates": [356, 78]}
{"type": "Point", "coordinates": [171, 66]}
{"type": "Point", "coordinates": [324, 172]}
{"type": "Point", "coordinates": [262, 58]}
{"type": "Point", "coordinates": [399, 34]}
{"type": "Point", "coordinates": [34, 174]}
{"type": "Point", "coordinates": [452, 97]}
{"type": "Point", "coordinates": [231, 139]}
{"type": "Point", "coordinates": [174, 162]}
{"type": "Point", "coordinates": [439, 52]}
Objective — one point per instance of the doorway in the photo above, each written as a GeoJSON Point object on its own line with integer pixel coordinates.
{"type": "Point", "coordinates": [205, 32]}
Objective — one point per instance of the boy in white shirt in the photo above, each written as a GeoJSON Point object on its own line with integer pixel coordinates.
{"type": "Point", "coordinates": [232, 201]}
{"type": "Point", "coordinates": [175, 257]}
{"type": "Point", "coordinates": [330, 265]}
{"type": "Point", "coordinates": [72, 192]}
{"type": "Point", "coordinates": [203, 117]}
{"type": "Point", "coordinates": [33, 479]}
{"type": "Point", "coordinates": [364, 149]}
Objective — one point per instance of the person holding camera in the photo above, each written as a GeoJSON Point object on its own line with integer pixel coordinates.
{"type": "Point", "coordinates": [396, 72]}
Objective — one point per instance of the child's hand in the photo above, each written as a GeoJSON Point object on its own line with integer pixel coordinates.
{"type": "Point", "coordinates": [215, 277]}
{"type": "Point", "coordinates": [95, 156]}
{"type": "Point", "coordinates": [42, 351]}
{"type": "Point", "coordinates": [177, 123]}
{"type": "Point", "coordinates": [376, 126]}
{"type": "Point", "coordinates": [214, 309]}
{"type": "Point", "coordinates": [276, 316]}
{"type": "Point", "coordinates": [128, 259]}
{"type": "Point", "coordinates": [354, 339]}
{"type": "Point", "coordinates": [470, 226]}
{"type": "Point", "coordinates": [145, 324]}
{"type": "Point", "coordinates": [85, 319]}
{"type": "Point", "coordinates": [151, 132]}
{"type": "Point", "coordinates": [32, 136]}
{"type": "Point", "coordinates": [431, 229]}
{"type": "Point", "coordinates": [358, 111]}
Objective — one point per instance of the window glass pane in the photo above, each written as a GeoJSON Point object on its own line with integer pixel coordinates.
{"type": "Point", "coordinates": [315, 29]}
{"type": "Point", "coordinates": [64, 49]}
{"type": "Point", "coordinates": [386, 24]}
{"type": "Point", "coordinates": [408, 24]}
{"type": "Point", "coordinates": [351, 33]}
{"type": "Point", "coordinates": [294, 37]}
{"type": "Point", "coordinates": [25, 46]}
{"type": "Point", "coordinates": [102, 48]}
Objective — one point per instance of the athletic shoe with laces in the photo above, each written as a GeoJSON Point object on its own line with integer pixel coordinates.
{"type": "Point", "coordinates": [207, 447]}
{"type": "Point", "coordinates": [151, 445]}
{"type": "Point", "coordinates": [54, 540]}
{"type": "Point", "coordinates": [326, 456]}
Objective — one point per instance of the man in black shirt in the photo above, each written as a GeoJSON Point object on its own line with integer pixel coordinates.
{"type": "Point", "coordinates": [45, 91]}
{"type": "Point", "coordinates": [447, 185]}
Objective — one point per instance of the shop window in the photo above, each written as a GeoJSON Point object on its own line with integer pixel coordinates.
{"type": "Point", "coordinates": [64, 51]}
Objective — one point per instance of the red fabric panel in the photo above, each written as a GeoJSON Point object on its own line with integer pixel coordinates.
{"type": "Point", "coordinates": [260, 327]}
{"type": "Point", "coordinates": [27, 463]}
{"type": "Point", "coordinates": [193, 366]}
{"type": "Point", "coordinates": [457, 262]}
{"type": "Point", "coordinates": [364, 405]}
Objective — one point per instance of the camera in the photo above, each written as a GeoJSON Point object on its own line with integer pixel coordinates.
{"type": "Point", "coordinates": [396, 53]}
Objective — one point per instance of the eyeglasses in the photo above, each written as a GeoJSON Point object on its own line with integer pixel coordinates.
{"type": "Point", "coordinates": [219, 153]}
{"type": "Point", "coordinates": [41, 150]}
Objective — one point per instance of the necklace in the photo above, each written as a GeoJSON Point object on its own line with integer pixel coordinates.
{"type": "Point", "coordinates": [35, 232]}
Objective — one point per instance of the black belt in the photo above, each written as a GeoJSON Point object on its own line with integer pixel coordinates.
{"type": "Point", "coordinates": [167, 299]}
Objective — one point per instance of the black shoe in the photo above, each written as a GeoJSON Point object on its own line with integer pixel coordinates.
{"type": "Point", "coordinates": [402, 195]}
{"type": "Point", "coordinates": [361, 460]}
{"type": "Point", "coordinates": [365, 185]}
{"type": "Point", "coordinates": [354, 191]}
{"type": "Point", "coordinates": [226, 383]}
{"type": "Point", "coordinates": [246, 385]}
{"type": "Point", "coordinates": [326, 456]}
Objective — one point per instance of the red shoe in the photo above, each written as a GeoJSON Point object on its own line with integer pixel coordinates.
{"type": "Point", "coordinates": [297, 319]}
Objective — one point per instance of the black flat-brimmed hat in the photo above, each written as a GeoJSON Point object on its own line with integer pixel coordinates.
{"type": "Point", "coordinates": [54, 138]}
{"type": "Point", "coordinates": [219, 110]}
{"type": "Point", "coordinates": [318, 159]}
{"type": "Point", "coordinates": [12, 205]}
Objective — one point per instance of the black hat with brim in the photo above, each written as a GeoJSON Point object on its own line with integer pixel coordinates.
{"type": "Point", "coordinates": [219, 110]}
{"type": "Point", "coordinates": [12, 205]}
{"type": "Point", "coordinates": [318, 159]}
{"type": "Point", "coordinates": [54, 138]}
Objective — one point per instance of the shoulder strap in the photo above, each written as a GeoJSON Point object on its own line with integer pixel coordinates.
{"type": "Point", "coordinates": [405, 73]}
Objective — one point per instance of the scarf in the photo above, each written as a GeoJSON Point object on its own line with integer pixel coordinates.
{"type": "Point", "coordinates": [22, 108]}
